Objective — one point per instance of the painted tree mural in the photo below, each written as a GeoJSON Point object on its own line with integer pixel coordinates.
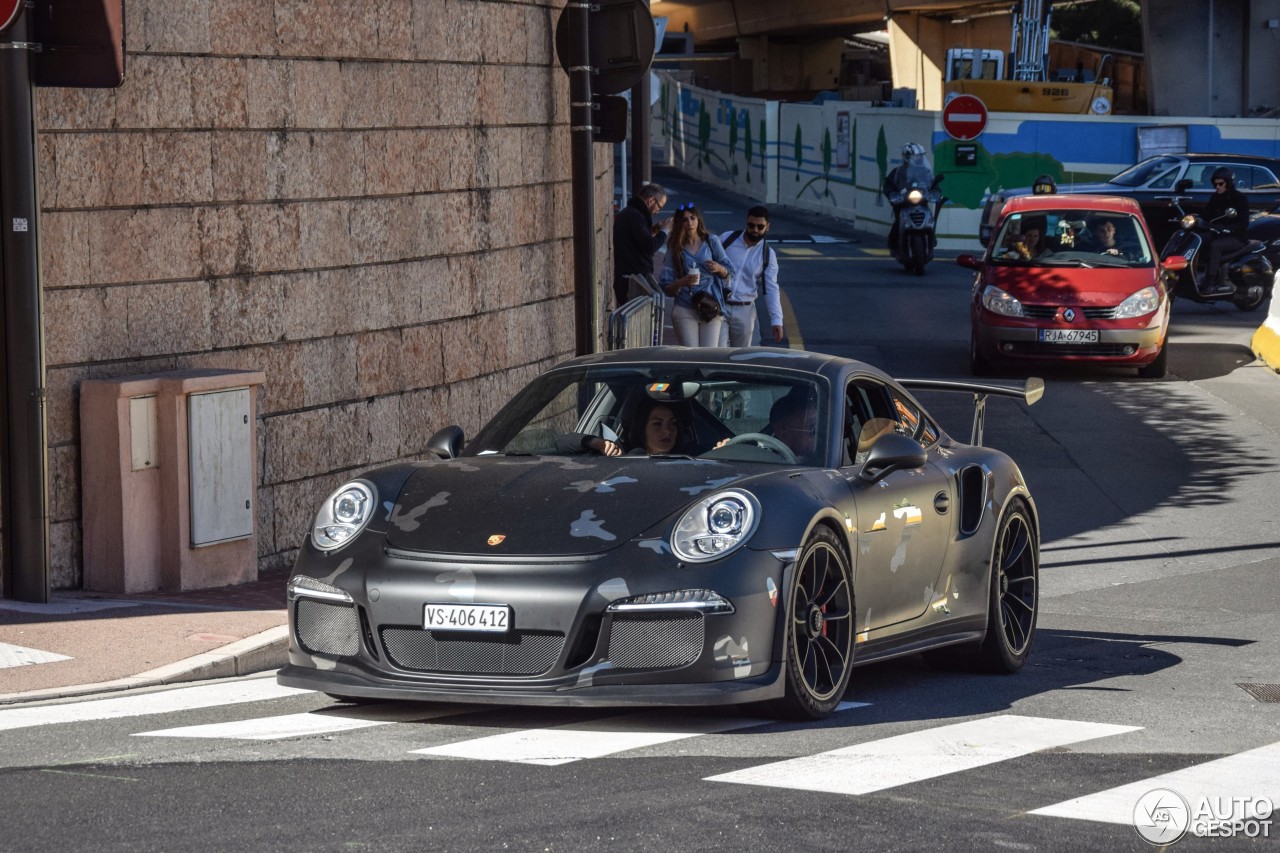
{"type": "Point", "coordinates": [882, 162]}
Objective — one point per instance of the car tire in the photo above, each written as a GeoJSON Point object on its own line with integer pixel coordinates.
{"type": "Point", "coordinates": [978, 365]}
{"type": "Point", "coordinates": [819, 630]}
{"type": "Point", "coordinates": [1158, 368]}
{"type": "Point", "coordinates": [1013, 602]}
{"type": "Point", "coordinates": [919, 251]}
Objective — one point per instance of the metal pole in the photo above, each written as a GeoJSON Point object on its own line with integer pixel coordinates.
{"type": "Point", "coordinates": [584, 191]}
{"type": "Point", "coordinates": [23, 451]}
{"type": "Point", "coordinates": [641, 162]}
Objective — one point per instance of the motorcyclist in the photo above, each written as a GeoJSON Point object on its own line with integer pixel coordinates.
{"type": "Point", "coordinates": [1225, 197]}
{"type": "Point", "coordinates": [915, 168]}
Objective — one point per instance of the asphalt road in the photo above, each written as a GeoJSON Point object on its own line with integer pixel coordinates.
{"type": "Point", "coordinates": [1160, 594]}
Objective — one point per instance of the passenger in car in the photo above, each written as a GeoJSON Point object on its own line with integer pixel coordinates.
{"type": "Point", "coordinates": [1030, 244]}
{"type": "Point", "coordinates": [656, 428]}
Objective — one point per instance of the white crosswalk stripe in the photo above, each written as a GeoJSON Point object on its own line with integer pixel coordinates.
{"type": "Point", "coordinates": [890, 762]}
{"type": "Point", "coordinates": [311, 723]}
{"type": "Point", "coordinates": [578, 741]}
{"type": "Point", "coordinates": [182, 699]}
{"type": "Point", "coordinates": [11, 655]}
{"type": "Point", "coordinates": [1248, 775]}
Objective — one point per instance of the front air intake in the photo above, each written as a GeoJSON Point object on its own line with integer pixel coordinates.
{"type": "Point", "coordinates": [656, 640]}
{"type": "Point", "coordinates": [323, 628]}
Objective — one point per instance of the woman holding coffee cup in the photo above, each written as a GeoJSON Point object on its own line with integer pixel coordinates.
{"type": "Point", "coordinates": [697, 273]}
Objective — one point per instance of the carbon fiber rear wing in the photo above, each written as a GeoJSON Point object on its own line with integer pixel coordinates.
{"type": "Point", "coordinates": [1030, 391]}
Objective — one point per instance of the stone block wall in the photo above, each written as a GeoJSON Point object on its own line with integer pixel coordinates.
{"type": "Point", "coordinates": [370, 202]}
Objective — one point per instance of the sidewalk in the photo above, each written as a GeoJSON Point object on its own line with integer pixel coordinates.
{"type": "Point", "coordinates": [82, 643]}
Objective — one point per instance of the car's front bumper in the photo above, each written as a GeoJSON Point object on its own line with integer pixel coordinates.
{"type": "Point", "coordinates": [567, 643]}
{"type": "Point", "coordinates": [1121, 347]}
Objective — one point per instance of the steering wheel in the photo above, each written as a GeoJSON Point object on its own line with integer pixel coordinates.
{"type": "Point", "coordinates": [768, 442]}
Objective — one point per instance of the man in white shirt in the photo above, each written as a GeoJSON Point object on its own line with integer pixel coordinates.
{"type": "Point", "coordinates": [756, 267]}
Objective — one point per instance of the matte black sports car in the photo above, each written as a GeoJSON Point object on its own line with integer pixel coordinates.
{"type": "Point", "coordinates": [767, 520]}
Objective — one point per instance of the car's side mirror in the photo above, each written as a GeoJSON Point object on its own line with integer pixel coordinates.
{"type": "Point", "coordinates": [892, 452]}
{"type": "Point", "coordinates": [1183, 185]}
{"type": "Point", "coordinates": [971, 262]}
{"type": "Point", "coordinates": [447, 443]}
{"type": "Point", "coordinates": [1173, 263]}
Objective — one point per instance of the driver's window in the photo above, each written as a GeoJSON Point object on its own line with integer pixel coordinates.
{"type": "Point", "coordinates": [868, 414]}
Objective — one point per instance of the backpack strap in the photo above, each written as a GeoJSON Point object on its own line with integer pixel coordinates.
{"type": "Point", "coordinates": [764, 263]}
{"type": "Point", "coordinates": [733, 236]}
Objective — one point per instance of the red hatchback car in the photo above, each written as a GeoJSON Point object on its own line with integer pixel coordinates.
{"type": "Point", "coordinates": [1070, 278]}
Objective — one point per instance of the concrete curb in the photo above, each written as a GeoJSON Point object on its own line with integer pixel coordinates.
{"type": "Point", "coordinates": [1266, 341]}
{"type": "Point", "coordinates": [263, 651]}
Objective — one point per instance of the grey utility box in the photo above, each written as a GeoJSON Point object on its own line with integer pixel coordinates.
{"type": "Point", "coordinates": [220, 459]}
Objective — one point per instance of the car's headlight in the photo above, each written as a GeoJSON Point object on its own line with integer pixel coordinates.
{"type": "Point", "coordinates": [342, 516]}
{"type": "Point", "coordinates": [715, 526]}
{"type": "Point", "coordinates": [915, 196]}
{"type": "Point", "coordinates": [997, 301]}
{"type": "Point", "coordinates": [1139, 304]}
{"type": "Point", "coordinates": [1190, 221]}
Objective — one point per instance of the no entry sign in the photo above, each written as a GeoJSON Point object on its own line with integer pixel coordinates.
{"type": "Point", "coordinates": [964, 117]}
{"type": "Point", "coordinates": [8, 11]}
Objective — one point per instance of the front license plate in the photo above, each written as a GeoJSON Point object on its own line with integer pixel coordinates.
{"type": "Point", "coordinates": [1069, 336]}
{"type": "Point", "coordinates": [467, 617]}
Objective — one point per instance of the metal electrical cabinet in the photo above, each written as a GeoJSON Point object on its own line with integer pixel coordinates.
{"type": "Point", "coordinates": [220, 459]}
{"type": "Point", "coordinates": [169, 473]}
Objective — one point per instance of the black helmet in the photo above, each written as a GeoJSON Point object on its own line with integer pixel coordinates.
{"type": "Point", "coordinates": [1222, 173]}
{"type": "Point", "coordinates": [1044, 185]}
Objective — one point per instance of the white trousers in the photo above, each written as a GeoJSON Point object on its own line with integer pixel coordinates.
{"type": "Point", "coordinates": [692, 332]}
{"type": "Point", "coordinates": [740, 327]}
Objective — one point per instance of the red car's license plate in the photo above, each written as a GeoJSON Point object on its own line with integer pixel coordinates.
{"type": "Point", "coordinates": [1069, 336]}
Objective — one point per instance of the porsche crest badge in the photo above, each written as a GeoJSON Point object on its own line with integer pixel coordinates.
{"type": "Point", "coordinates": [497, 539]}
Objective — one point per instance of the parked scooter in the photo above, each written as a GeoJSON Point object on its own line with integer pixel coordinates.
{"type": "Point", "coordinates": [1248, 269]}
{"type": "Point", "coordinates": [917, 204]}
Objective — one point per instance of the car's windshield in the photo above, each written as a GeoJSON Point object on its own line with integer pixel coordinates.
{"type": "Point", "coordinates": [711, 411]}
{"type": "Point", "coordinates": [1139, 173]}
{"type": "Point", "coordinates": [1072, 237]}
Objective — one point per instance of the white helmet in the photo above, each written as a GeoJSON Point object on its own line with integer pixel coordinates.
{"type": "Point", "coordinates": [912, 149]}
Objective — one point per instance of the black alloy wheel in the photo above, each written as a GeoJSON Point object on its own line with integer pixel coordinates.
{"type": "Point", "coordinates": [819, 629]}
{"type": "Point", "coordinates": [1012, 605]}
{"type": "Point", "coordinates": [1015, 593]}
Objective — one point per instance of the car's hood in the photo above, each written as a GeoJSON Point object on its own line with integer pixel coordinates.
{"type": "Point", "coordinates": [541, 505]}
{"type": "Point", "coordinates": [1099, 286]}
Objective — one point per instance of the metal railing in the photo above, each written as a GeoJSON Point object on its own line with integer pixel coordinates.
{"type": "Point", "coordinates": [638, 323]}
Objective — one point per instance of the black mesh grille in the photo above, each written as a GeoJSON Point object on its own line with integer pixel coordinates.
{"type": "Point", "coordinates": [916, 215]}
{"type": "Point", "coordinates": [327, 629]}
{"type": "Point", "coordinates": [511, 653]}
{"type": "Point", "coordinates": [656, 641]}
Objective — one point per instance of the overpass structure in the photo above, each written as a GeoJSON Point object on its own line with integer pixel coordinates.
{"type": "Point", "coordinates": [1206, 58]}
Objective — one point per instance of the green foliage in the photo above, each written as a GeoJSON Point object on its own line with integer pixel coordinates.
{"type": "Point", "coordinates": [1105, 23]}
{"type": "Point", "coordinates": [733, 132]}
{"type": "Point", "coordinates": [704, 133]}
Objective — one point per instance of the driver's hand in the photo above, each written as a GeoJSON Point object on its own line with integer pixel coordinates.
{"type": "Point", "coordinates": [721, 443]}
{"type": "Point", "coordinates": [604, 447]}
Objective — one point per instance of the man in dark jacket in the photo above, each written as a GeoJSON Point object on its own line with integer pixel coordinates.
{"type": "Point", "coordinates": [636, 238]}
{"type": "Point", "coordinates": [1225, 197]}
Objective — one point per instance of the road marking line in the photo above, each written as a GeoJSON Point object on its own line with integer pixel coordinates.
{"type": "Point", "coordinates": [11, 656]}
{"type": "Point", "coordinates": [310, 723]}
{"type": "Point", "coordinates": [164, 702]}
{"type": "Point", "coordinates": [868, 767]}
{"type": "Point", "coordinates": [578, 741]}
{"type": "Point", "coordinates": [1254, 774]}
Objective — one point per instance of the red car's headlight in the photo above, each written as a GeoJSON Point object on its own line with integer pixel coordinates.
{"type": "Point", "coordinates": [997, 301]}
{"type": "Point", "coordinates": [1139, 304]}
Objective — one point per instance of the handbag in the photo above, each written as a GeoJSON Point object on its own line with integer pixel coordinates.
{"type": "Point", "coordinates": [706, 306]}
